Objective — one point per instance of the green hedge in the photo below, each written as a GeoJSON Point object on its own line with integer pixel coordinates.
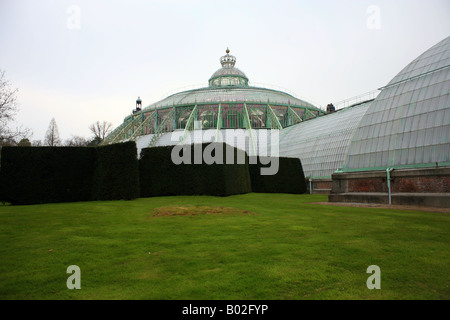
{"type": "Point", "coordinates": [117, 172]}
{"type": "Point", "coordinates": [31, 175]}
{"type": "Point", "coordinates": [160, 176]}
{"type": "Point", "coordinates": [289, 178]}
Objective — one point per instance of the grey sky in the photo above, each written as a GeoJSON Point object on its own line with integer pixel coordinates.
{"type": "Point", "coordinates": [324, 51]}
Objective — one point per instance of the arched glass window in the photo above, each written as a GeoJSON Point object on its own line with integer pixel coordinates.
{"type": "Point", "coordinates": [225, 81]}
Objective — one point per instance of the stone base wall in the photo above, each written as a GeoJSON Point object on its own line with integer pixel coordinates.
{"type": "Point", "coordinates": [408, 185]}
{"type": "Point", "coordinates": [320, 186]}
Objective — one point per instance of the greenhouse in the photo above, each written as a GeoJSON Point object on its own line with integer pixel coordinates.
{"type": "Point", "coordinates": [400, 151]}
{"type": "Point", "coordinates": [322, 143]}
{"type": "Point", "coordinates": [229, 102]}
{"type": "Point", "coordinates": [405, 126]}
{"type": "Point", "coordinates": [408, 124]}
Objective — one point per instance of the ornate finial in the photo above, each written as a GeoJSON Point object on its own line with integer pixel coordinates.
{"type": "Point", "coordinates": [228, 60]}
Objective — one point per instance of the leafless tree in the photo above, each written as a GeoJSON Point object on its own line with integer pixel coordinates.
{"type": "Point", "coordinates": [100, 129]}
{"type": "Point", "coordinates": [8, 109]}
{"type": "Point", "coordinates": [52, 136]}
{"type": "Point", "coordinates": [8, 105]}
{"type": "Point", "coordinates": [76, 141]}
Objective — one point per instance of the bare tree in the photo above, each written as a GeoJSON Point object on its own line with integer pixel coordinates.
{"type": "Point", "coordinates": [100, 129]}
{"type": "Point", "coordinates": [76, 141]}
{"type": "Point", "coordinates": [8, 105]}
{"type": "Point", "coordinates": [52, 135]}
{"type": "Point", "coordinates": [8, 110]}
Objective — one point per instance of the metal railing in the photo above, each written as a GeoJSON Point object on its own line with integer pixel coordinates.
{"type": "Point", "coordinates": [357, 99]}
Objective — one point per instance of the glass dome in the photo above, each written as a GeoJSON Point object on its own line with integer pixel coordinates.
{"type": "Point", "coordinates": [228, 75]}
{"type": "Point", "coordinates": [408, 124]}
{"type": "Point", "coordinates": [227, 103]}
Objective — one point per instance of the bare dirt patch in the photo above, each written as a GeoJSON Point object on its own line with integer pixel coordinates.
{"type": "Point", "coordinates": [171, 211]}
{"type": "Point", "coordinates": [385, 206]}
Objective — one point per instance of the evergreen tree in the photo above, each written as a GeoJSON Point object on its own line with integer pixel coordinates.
{"type": "Point", "coordinates": [52, 136]}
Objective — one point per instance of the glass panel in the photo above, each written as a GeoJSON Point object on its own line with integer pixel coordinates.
{"type": "Point", "coordinates": [321, 143]}
{"type": "Point", "coordinates": [405, 139]}
{"type": "Point", "coordinates": [420, 138]}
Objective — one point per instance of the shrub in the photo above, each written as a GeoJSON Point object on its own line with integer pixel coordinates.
{"type": "Point", "coordinates": [288, 179]}
{"type": "Point", "coordinates": [116, 172]}
{"type": "Point", "coordinates": [160, 176]}
{"type": "Point", "coordinates": [32, 175]}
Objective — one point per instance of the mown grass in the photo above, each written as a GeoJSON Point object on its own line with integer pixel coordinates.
{"type": "Point", "coordinates": [275, 246]}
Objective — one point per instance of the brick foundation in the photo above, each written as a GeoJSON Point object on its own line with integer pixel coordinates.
{"type": "Point", "coordinates": [320, 186]}
{"type": "Point", "coordinates": [433, 183]}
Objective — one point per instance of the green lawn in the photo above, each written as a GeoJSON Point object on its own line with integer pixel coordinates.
{"type": "Point", "coordinates": [273, 246]}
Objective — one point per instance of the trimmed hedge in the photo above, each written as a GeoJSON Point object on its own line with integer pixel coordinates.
{"type": "Point", "coordinates": [117, 172]}
{"type": "Point", "coordinates": [33, 175]}
{"type": "Point", "coordinates": [288, 179]}
{"type": "Point", "coordinates": [160, 176]}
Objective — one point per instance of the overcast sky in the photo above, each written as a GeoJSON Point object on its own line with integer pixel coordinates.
{"type": "Point", "coordinates": [82, 61]}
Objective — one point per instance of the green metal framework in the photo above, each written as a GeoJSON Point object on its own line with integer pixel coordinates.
{"type": "Point", "coordinates": [123, 131]}
{"type": "Point", "coordinates": [296, 116]}
{"type": "Point", "coordinates": [189, 124]}
{"type": "Point", "coordinates": [249, 128]}
{"type": "Point", "coordinates": [228, 103]}
{"type": "Point", "coordinates": [220, 115]}
{"type": "Point", "coordinates": [140, 129]}
{"type": "Point", "coordinates": [274, 120]}
{"type": "Point", "coordinates": [164, 127]}
{"type": "Point", "coordinates": [218, 122]}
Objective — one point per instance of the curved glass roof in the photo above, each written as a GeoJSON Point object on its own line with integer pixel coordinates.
{"type": "Point", "coordinates": [321, 143]}
{"type": "Point", "coordinates": [229, 84]}
{"type": "Point", "coordinates": [228, 104]}
{"type": "Point", "coordinates": [408, 124]}
{"type": "Point", "coordinates": [228, 72]}
{"type": "Point", "coordinates": [230, 94]}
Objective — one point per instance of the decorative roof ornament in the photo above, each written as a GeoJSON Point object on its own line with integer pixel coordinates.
{"type": "Point", "coordinates": [228, 75]}
{"type": "Point", "coordinates": [228, 61]}
{"type": "Point", "coordinates": [138, 105]}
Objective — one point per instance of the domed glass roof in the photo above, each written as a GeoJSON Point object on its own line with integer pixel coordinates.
{"type": "Point", "coordinates": [230, 85]}
{"type": "Point", "coordinates": [227, 103]}
{"type": "Point", "coordinates": [228, 75]}
{"type": "Point", "coordinates": [247, 94]}
{"type": "Point", "coordinates": [409, 121]}
{"type": "Point", "coordinates": [322, 143]}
